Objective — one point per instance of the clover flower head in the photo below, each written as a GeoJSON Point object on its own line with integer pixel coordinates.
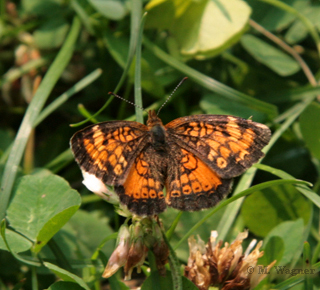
{"type": "Point", "coordinates": [225, 266]}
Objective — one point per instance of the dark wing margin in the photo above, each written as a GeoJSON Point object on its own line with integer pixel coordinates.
{"type": "Point", "coordinates": [228, 144]}
{"type": "Point", "coordinates": [108, 149]}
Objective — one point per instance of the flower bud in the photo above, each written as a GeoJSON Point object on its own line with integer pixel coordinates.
{"type": "Point", "coordinates": [137, 252]}
{"type": "Point", "coordinates": [120, 254]}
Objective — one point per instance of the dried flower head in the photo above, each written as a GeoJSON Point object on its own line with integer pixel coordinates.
{"type": "Point", "coordinates": [225, 267]}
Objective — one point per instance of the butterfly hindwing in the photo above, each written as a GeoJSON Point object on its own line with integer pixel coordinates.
{"type": "Point", "coordinates": [142, 192]}
{"type": "Point", "coordinates": [191, 184]}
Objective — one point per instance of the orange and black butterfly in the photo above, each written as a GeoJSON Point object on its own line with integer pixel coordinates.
{"type": "Point", "coordinates": [193, 157]}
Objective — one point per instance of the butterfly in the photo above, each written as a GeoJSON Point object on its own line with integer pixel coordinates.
{"type": "Point", "coordinates": [194, 158]}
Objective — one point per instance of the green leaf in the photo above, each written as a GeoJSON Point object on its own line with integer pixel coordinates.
{"type": "Point", "coordinates": [297, 94]}
{"type": "Point", "coordinates": [264, 210]}
{"type": "Point", "coordinates": [27, 260]}
{"type": "Point", "coordinates": [275, 59]}
{"type": "Point", "coordinates": [215, 104]}
{"type": "Point", "coordinates": [51, 34]}
{"type": "Point", "coordinates": [311, 133]}
{"type": "Point", "coordinates": [306, 22]}
{"type": "Point", "coordinates": [41, 206]}
{"type": "Point", "coordinates": [202, 28]}
{"type": "Point", "coordinates": [66, 276]}
{"type": "Point", "coordinates": [211, 84]}
{"type": "Point", "coordinates": [273, 250]}
{"type": "Point", "coordinates": [114, 9]}
{"type": "Point", "coordinates": [6, 138]}
{"type": "Point", "coordinates": [42, 8]}
{"type": "Point", "coordinates": [115, 284]}
{"type": "Point", "coordinates": [291, 233]}
{"type": "Point", "coordinates": [298, 31]}
{"type": "Point", "coordinates": [306, 191]}
{"type": "Point", "coordinates": [84, 233]}
{"type": "Point", "coordinates": [118, 47]}
{"type": "Point", "coordinates": [159, 10]}
{"type": "Point", "coordinates": [273, 18]}
{"type": "Point", "coordinates": [292, 281]}
{"type": "Point", "coordinates": [17, 242]}
{"type": "Point", "coordinates": [166, 283]}
{"type": "Point", "coordinates": [64, 285]}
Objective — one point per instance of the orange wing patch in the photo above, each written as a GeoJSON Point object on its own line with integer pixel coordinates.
{"type": "Point", "coordinates": [193, 185]}
{"type": "Point", "coordinates": [142, 192]}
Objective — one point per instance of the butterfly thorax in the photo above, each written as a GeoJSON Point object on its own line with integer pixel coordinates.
{"type": "Point", "coordinates": [157, 130]}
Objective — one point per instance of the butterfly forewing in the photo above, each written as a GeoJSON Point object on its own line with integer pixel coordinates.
{"type": "Point", "coordinates": [229, 145]}
{"type": "Point", "coordinates": [109, 149]}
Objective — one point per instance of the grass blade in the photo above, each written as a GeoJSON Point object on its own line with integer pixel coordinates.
{"type": "Point", "coordinates": [289, 283]}
{"type": "Point", "coordinates": [308, 285]}
{"type": "Point", "coordinates": [211, 84]}
{"type": "Point", "coordinates": [246, 180]}
{"type": "Point", "coordinates": [136, 16]}
{"type": "Point", "coordinates": [68, 94]}
{"type": "Point", "coordinates": [137, 76]}
{"type": "Point", "coordinates": [174, 265]}
{"type": "Point", "coordinates": [16, 73]}
{"type": "Point", "coordinates": [235, 197]}
{"type": "Point", "coordinates": [173, 226]}
{"type": "Point", "coordinates": [66, 275]}
{"type": "Point", "coordinates": [308, 24]}
{"type": "Point", "coordinates": [306, 191]}
{"type": "Point", "coordinates": [32, 113]}
{"type": "Point", "coordinates": [31, 262]}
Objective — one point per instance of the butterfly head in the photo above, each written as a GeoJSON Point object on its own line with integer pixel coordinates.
{"type": "Point", "coordinates": [153, 119]}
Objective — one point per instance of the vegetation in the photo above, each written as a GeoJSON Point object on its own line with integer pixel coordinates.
{"type": "Point", "coordinates": [60, 58]}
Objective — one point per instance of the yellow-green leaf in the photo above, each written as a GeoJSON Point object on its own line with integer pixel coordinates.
{"type": "Point", "coordinates": [200, 28]}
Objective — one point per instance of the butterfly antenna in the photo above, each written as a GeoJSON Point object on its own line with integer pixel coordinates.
{"type": "Point", "coordinates": [123, 99]}
{"type": "Point", "coordinates": [166, 101]}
